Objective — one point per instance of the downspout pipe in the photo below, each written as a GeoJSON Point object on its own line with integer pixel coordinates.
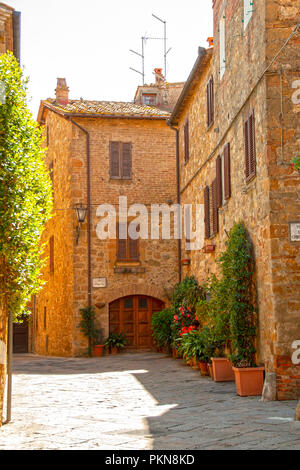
{"type": "Point", "coordinates": [88, 165]}
{"type": "Point", "coordinates": [178, 195]}
{"type": "Point", "coordinates": [16, 18]}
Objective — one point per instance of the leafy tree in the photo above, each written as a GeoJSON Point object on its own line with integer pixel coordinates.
{"type": "Point", "coordinates": [25, 191]}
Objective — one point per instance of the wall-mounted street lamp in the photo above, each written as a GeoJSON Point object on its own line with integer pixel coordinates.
{"type": "Point", "coordinates": [81, 211]}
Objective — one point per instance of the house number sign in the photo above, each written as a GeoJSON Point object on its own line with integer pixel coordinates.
{"type": "Point", "coordinates": [295, 231]}
{"type": "Point", "coordinates": [100, 282]}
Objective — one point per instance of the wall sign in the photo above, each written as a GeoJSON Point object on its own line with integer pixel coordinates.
{"type": "Point", "coordinates": [294, 231]}
{"type": "Point", "coordinates": [100, 282]}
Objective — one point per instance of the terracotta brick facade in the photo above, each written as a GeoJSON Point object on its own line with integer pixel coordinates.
{"type": "Point", "coordinates": [270, 200]}
{"type": "Point", "coordinates": [6, 28]}
{"type": "Point", "coordinates": [153, 181]}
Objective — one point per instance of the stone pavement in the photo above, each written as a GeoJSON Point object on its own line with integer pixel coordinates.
{"type": "Point", "coordinates": [137, 401]}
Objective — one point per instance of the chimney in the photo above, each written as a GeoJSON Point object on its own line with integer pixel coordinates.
{"type": "Point", "coordinates": [159, 78]}
{"type": "Point", "coordinates": [62, 91]}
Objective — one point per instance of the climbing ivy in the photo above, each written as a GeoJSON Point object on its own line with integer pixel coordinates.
{"type": "Point", "coordinates": [25, 191]}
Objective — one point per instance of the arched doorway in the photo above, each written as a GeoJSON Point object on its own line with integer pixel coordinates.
{"type": "Point", "coordinates": [132, 315]}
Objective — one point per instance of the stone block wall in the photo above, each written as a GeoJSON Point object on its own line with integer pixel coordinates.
{"type": "Point", "coordinates": [6, 29]}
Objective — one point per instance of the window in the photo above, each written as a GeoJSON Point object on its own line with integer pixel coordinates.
{"type": "Point", "coordinates": [51, 256]}
{"type": "Point", "coordinates": [120, 155]}
{"type": "Point", "coordinates": [186, 142]}
{"type": "Point", "coordinates": [248, 9]}
{"type": "Point", "coordinates": [207, 212]}
{"type": "Point", "coordinates": [214, 213]}
{"type": "Point", "coordinates": [250, 147]}
{"type": "Point", "coordinates": [210, 101]}
{"type": "Point", "coordinates": [227, 176]}
{"type": "Point", "coordinates": [149, 99]}
{"type": "Point", "coordinates": [127, 248]}
{"type": "Point", "coordinates": [222, 29]}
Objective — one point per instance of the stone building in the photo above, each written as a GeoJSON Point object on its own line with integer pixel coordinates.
{"type": "Point", "coordinates": [97, 152]}
{"type": "Point", "coordinates": [161, 94]}
{"type": "Point", "coordinates": [237, 123]}
{"type": "Point", "coordinates": [9, 41]}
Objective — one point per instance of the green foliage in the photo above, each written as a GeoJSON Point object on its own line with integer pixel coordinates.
{"type": "Point", "coordinates": [161, 327]}
{"type": "Point", "coordinates": [25, 192]}
{"type": "Point", "coordinates": [87, 326]}
{"type": "Point", "coordinates": [184, 292]}
{"type": "Point", "coordinates": [237, 265]}
{"type": "Point", "coordinates": [194, 345]}
{"type": "Point", "coordinates": [296, 162]}
{"type": "Point", "coordinates": [116, 340]}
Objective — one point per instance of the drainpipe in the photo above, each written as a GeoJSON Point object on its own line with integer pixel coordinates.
{"type": "Point", "coordinates": [88, 164]}
{"type": "Point", "coordinates": [178, 195]}
{"type": "Point", "coordinates": [9, 366]}
{"type": "Point", "coordinates": [17, 35]}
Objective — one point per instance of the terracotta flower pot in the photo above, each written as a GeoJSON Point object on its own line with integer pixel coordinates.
{"type": "Point", "coordinates": [222, 370]}
{"type": "Point", "coordinates": [210, 370]}
{"type": "Point", "coordinates": [203, 368]}
{"type": "Point", "coordinates": [98, 350]}
{"type": "Point", "coordinates": [113, 351]}
{"type": "Point", "coordinates": [249, 381]}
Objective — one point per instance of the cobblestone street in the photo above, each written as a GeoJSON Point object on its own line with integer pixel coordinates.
{"type": "Point", "coordinates": [137, 401]}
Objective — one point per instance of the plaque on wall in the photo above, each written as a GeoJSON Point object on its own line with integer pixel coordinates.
{"type": "Point", "coordinates": [294, 231]}
{"type": "Point", "coordinates": [99, 282]}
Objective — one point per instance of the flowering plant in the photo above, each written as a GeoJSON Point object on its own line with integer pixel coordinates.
{"type": "Point", "coordinates": [296, 162]}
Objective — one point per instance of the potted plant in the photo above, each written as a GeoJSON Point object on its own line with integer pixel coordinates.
{"type": "Point", "coordinates": [239, 263]}
{"type": "Point", "coordinates": [161, 329]}
{"type": "Point", "coordinates": [98, 346]}
{"type": "Point", "coordinates": [87, 326]}
{"type": "Point", "coordinates": [115, 342]}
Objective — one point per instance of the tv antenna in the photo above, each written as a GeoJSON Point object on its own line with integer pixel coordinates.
{"type": "Point", "coordinates": [142, 54]}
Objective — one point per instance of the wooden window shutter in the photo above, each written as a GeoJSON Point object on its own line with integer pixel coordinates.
{"type": "Point", "coordinates": [219, 181]}
{"type": "Point", "coordinates": [133, 249]}
{"type": "Point", "coordinates": [210, 101]}
{"type": "Point", "coordinates": [114, 157]}
{"type": "Point", "coordinates": [122, 247]}
{"type": "Point", "coordinates": [126, 160]}
{"type": "Point", "coordinates": [227, 175]}
{"type": "Point", "coordinates": [250, 147]}
{"type": "Point", "coordinates": [206, 212]}
{"type": "Point", "coordinates": [186, 142]}
{"type": "Point", "coordinates": [215, 215]}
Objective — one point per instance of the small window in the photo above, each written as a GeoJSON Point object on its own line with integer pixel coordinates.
{"type": "Point", "coordinates": [250, 147]}
{"type": "Point", "coordinates": [120, 155]}
{"type": "Point", "coordinates": [127, 248]}
{"type": "Point", "coordinates": [149, 99]}
{"type": "Point", "coordinates": [248, 10]}
{"type": "Point", "coordinates": [186, 142]}
{"type": "Point", "coordinates": [128, 303]}
{"type": "Point", "coordinates": [222, 32]}
{"type": "Point", "coordinates": [143, 304]}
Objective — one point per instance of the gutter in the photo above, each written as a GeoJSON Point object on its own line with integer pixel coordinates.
{"type": "Point", "coordinates": [178, 195]}
{"type": "Point", "coordinates": [88, 207]}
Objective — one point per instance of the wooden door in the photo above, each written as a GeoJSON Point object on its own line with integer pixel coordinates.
{"type": "Point", "coordinates": [20, 337]}
{"type": "Point", "coordinates": [132, 315]}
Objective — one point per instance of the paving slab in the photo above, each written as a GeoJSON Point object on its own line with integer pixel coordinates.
{"type": "Point", "coordinates": [137, 401]}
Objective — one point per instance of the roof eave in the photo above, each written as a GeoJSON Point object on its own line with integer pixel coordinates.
{"type": "Point", "coordinates": [203, 55]}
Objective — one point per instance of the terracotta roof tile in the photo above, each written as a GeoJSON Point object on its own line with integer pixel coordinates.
{"type": "Point", "coordinates": [109, 108]}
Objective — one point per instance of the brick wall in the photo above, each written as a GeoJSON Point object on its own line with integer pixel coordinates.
{"type": "Point", "coordinates": [6, 29]}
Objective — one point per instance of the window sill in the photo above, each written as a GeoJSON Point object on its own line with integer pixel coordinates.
{"type": "Point", "coordinates": [128, 263]}
{"type": "Point", "coordinates": [114, 178]}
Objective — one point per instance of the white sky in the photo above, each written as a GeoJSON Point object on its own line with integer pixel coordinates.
{"type": "Point", "coordinates": [88, 42]}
